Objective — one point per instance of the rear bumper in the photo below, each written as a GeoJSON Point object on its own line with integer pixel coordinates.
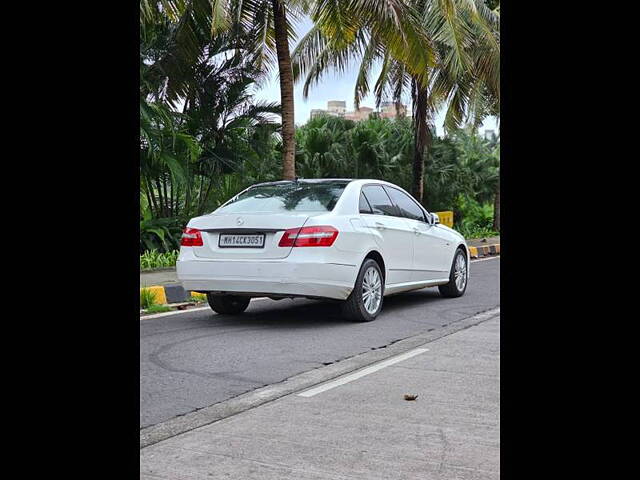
{"type": "Point", "coordinates": [276, 277]}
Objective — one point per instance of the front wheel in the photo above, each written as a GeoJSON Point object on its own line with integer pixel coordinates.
{"type": "Point", "coordinates": [228, 304]}
{"type": "Point", "coordinates": [458, 277]}
{"type": "Point", "coordinates": [365, 301]}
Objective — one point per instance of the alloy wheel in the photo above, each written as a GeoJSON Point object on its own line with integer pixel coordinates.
{"type": "Point", "coordinates": [371, 290]}
{"type": "Point", "coordinates": [460, 272]}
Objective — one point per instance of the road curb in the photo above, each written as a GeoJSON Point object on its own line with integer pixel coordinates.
{"type": "Point", "coordinates": [233, 406]}
{"type": "Point", "coordinates": [484, 250]}
{"type": "Point", "coordinates": [173, 293]}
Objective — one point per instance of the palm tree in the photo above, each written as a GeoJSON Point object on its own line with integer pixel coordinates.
{"type": "Point", "coordinates": [184, 155]}
{"type": "Point", "coordinates": [268, 22]}
{"type": "Point", "coordinates": [463, 77]}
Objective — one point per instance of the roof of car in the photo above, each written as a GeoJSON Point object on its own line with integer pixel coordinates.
{"type": "Point", "coordinates": [323, 180]}
{"type": "Point", "coordinates": [308, 180]}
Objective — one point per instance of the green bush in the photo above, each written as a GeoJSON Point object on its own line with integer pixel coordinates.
{"type": "Point", "coordinates": [473, 213]}
{"type": "Point", "coordinates": [154, 259]}
{"type": "Point", "coordinates": [476, 219]}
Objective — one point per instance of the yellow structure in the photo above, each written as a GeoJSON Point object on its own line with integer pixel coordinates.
{"type": "Point", "coordinates": [161, 295]}
{"type": "Point", "coordinates": [161, 298]}
{"type": "Point", "coordinates": [446, 218]}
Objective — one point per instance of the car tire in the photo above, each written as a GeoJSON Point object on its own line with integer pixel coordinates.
{"type": "Point", "coordinates": [457, 285]}
{"type": "Point", "coordinates": [228, 304]}
{"type": "Point", "coordinates": [358, 308]}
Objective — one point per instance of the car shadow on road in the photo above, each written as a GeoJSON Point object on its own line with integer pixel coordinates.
{"type": "Point", "coordinates": [302, 313]}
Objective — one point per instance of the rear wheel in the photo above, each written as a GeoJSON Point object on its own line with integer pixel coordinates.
{"type": "Point", "coordinates": [458, 277]}
{"type": "Point", "coordinates": [228, 304]}
{"type": "Point", "coordinates": [365, 302]}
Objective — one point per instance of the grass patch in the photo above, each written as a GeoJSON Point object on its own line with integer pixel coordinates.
{"type": "Point", "coordinates": [155, 259]}
{"type": "Point", "coordinates": [197, 297]}
{"type": "Point", "coordinates": [475, 231]}
{"type": "Point", "coordinates": [158, 309]}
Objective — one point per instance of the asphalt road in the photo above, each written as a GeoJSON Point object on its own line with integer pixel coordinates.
{"type": "Point", "coordinates": [193, 360]}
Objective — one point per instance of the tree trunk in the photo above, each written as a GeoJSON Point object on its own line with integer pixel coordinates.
{"type": "Point", "coordinates": [167, 198]}
{"type": "Point", "coordinates": [163, 212]}
{"type": "Point", "coordinates": [175, 194]}
{"type": "Point", "coordinates": [191, 179]}
{"type": "Point", "coordinates": [286, 90]}
{"type": "Point", "coordinates": [421, 137]}
{"type": "Point", "coordinates": [206, 196]}
{"type": "Point", "coordinates": [199, 201]}
{"type": "Point", "coordinates": [153, 204]}
{"type": "Point", "coordinates": [496, 208]}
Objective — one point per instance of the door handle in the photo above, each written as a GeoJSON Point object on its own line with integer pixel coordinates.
{"type": "Point", "coordinates": [379, 226]}
{"type": "Point", "coordinates": [416, 230]}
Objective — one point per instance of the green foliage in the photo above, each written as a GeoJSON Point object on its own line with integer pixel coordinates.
{"type": "Point", "coordinates": [493, 4]}
{"type": "Point", "coordinates": [476, 219]}
{"type": "Point", "coordinates": [196, 299]}
{"type": "Point", "coordinates": [474, 231]}
{"type": "Point", "coordinates": [158, 309]}
{"type": "Point", "coordinates": [334, 147]}
{"type": "Point", "coordinates": [459, 69]}
{"type": "Point", "coordinates": [461, 174]}
{"type": "Point", "coordinates": [155, 259]}
{"type": "Point", "coordinates": [203, 137]}
{"type": "Point", "coordinates": [162, 234]}
{"type": "Point", "coordinates": [147, 298]}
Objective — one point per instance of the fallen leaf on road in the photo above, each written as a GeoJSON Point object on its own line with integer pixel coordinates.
{"type": "Point", "coordinates": [408, 396]}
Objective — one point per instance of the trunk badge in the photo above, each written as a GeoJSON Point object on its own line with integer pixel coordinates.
{"type": "Point", "coordinates": [239, 221]}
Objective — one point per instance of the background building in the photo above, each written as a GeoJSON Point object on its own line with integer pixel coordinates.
{"type": "Point", "coordinates": [361, 113]}
{"type": "Point", "coordinates": [338, 108]}
{"type": "Point", "coordinates": [315, 112]}
{"type": "Point", "coordinates": [489, 134]}
{"type": "Point", "coordinates": [389, 110]}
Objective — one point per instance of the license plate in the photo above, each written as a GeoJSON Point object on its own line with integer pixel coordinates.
{"type": "Point", "coordinates": [233, 240]}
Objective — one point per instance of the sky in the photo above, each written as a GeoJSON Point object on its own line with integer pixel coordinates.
{"type": "Point", "coordinates": [335, 86]}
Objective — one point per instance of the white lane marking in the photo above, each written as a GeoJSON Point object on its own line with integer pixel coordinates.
{"type": "Point", "coordinates": [361, 373]}
{"type": "Point", "coordinates": [197, 309]}
{"type": "Point", "coordinates": [485, 259]}
{"type": "Point", "coordinates": [166, 314]}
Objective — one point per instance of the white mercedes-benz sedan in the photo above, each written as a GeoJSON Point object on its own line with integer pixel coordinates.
{"type": "Point", "coordinates": [355, 241]}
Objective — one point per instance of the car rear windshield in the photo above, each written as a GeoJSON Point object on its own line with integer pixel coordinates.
{"type": "Point", "coordinates": [286, 197]}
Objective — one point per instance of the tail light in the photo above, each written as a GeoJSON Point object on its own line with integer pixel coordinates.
{"type": "Point", "coordinates": [322, 236]}
{"type": "Point", "coordinates": [191, 237]}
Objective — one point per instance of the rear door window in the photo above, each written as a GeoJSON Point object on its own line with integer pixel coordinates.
{"type": "Point", "coordinates": [407, 206]}
{"type": "Point", "coordinates": [380, 202]}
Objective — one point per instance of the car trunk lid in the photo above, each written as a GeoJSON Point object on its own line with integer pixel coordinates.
{"type": "Point", "coordinates": [272, 226]}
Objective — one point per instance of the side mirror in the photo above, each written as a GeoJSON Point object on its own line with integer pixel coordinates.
{"type": "Point", "coordinates": [435, 219]}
